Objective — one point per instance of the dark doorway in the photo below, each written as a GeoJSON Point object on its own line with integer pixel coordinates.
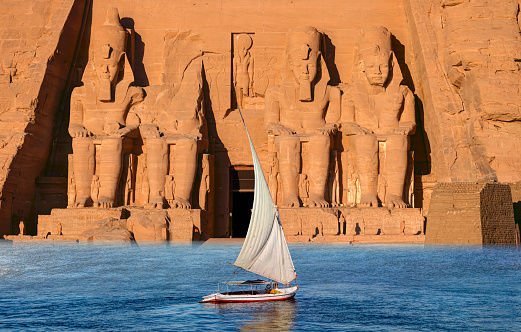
{"type": "Point", "coordinates": [241, 213]}
{"type": "Point", "coordinates": [241, 199]}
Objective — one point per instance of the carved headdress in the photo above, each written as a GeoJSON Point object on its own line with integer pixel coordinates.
{"type": "Point", "coordinates": [375, 41]}
{"type": "Point", "coordinates": [303, 44]}
{"type": "Point", "coordinates": [108, 56]}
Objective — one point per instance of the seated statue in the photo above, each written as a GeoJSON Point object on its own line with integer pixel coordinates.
{"type": "Point", "coordinates": [378, 108]}
{"type": "Point", "coordinates": [171, 141]}
{"type": "Point", "coordinates": [296, 114]}
{"type": "Point", "coordinates": [100, 118]}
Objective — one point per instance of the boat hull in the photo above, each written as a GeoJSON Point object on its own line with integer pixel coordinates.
{"type": "Point", "coordinates": [284, 294]}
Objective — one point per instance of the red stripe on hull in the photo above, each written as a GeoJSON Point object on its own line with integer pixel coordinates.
{"type": "Point", "coordinates": [227, 301]}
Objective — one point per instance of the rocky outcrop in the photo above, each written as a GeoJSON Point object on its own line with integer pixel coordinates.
{"type": "Point", "coordinates": [37, 44]}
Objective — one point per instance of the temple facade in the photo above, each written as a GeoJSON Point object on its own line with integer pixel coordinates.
{"type": "Point", "coordinates": [375, 121]}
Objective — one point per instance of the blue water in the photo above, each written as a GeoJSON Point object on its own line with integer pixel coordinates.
{"type": "Point", "coordinates": [74, 287]}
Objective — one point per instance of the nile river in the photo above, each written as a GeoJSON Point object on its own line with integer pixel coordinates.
{"type": "Point", "coordinates": [76, 287]}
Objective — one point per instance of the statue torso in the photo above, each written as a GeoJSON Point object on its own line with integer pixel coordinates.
{"type": "Point", "coordinates": [302, 117]}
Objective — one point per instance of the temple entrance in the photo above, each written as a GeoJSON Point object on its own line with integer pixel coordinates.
{"type": "Point", "coordinates": [241, 199]}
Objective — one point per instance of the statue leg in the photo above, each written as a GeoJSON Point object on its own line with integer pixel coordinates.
{"type": "Point", "coordinates": [185, 165]}
{"type": "Point", "coordinates": [239, 96]}
{"type": "Point", "coordinates": [111, 153]}
{"type": "Point", "coordinates": [366, 149]}
{"type": "Point", "coordinates": [396, 169]}
{"type": "Point", "coordinates": [157, 168]}
{"type": "Point", "coordinates": [319, 151]}
{"type": "Point", "coordinates": [83, 165]}
{"type": "Point", "coordinates": [289, 167]}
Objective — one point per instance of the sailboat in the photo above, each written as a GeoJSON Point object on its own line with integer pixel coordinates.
{"type": "Point", "coordinates": [264, 251]}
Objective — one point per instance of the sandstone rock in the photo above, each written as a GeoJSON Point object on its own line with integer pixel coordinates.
{"type": "Point", "coordinates": [108, 230]}
{"type": "Point", "coordinates": [148, 225]}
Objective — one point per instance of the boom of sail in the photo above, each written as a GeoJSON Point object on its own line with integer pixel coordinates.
{"type": "Point", "coordinates": [265, 251]}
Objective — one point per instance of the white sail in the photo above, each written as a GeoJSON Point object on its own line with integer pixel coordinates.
{"type": "Point", "coordinates": [265, 251]}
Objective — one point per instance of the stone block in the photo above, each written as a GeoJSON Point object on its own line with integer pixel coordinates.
{"type": "Point", "coordinates": [341, 224]}
{"type": "Point", "coordinates": [148, 225]}
{"type": "Point", "coordinates": [76, 221]}
{"type": "Point", "coordinates": [185, 225]}
{"type": "Point", "coordinates": [471, 213]}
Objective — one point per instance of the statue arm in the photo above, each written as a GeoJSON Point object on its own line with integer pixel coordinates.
{"type": "Point", "coordinates": [333, 112]}
{"type": "Point", "coordinates": [132, 120]}
{"type": "Point", "coordinates": [348, 120]}
{"type": "Point", "coordinates": [136, 95]}
{"type": "Point", "coordinates": [196, 131]}
{"type": "Point", "coordinates": [272, 116]}
{"type": "Point", "coordinates": [131, 125]}
{"type": "Point", "coordinates": [149, 130]}
{"type": "Point", "coordinates": [76, 128]}
{"type": "Point", "coordinates": [408, 118]}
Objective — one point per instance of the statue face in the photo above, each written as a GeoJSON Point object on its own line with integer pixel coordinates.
{"type": "Point", "coordinates": [305, 70]}
{"type": "Point", "coordinates": [376, 69]}
{"type": "Point", "coordinates": [107, 64]}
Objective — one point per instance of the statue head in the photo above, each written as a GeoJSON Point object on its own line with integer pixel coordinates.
{"type": "Point", "coordinates": [302, 56]}
{"type": "Point", "coordinates": [243, 43]}
{"type": "Point", "coordinates": [108, 53]}
{"type": "Point", "coordinates": [375, 56]}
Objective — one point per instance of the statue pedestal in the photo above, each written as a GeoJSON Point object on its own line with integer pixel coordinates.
{"type": "Point", "coordinates": [73, 222]}
{"type": "Point", "coordinates": [121, 224]}
{"type": "Point", "coordinates": [350, 224]}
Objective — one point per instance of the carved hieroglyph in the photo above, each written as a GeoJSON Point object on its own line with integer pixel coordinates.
{"type": "Point", "coordinates": [296, 114]}
{"type": "Point", "coordinates": [243, 68]}
{"type": "Point", "coordinates": [171, 140]}
{"type": "Point", "coordinates": [100, 115]}
{"type": "Point", "coordinates": [376, 109]}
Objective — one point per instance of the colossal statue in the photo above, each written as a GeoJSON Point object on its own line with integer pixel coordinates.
{"type": "Point", "coordinates": [101, 126]}
{"type": "Point", "coordinates": [171, 141]}
{"type": "Point", "coordinates": [296, 113]}
{"type": "Point", "coordinates": [242, 68]}
{"type": "Point", "coordinates": [377, 108]}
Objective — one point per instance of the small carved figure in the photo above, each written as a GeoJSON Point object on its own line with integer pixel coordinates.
{"type": "Point", "coordinates": [379, 109]}
{"type": "Point", "coordinates": [145, 188]}
{"type": "Point", "coordinates": [242, 68]}
{"type": "Point", "coordinates": [21, 227]}
{"type": "Point", "coordinates": [205, 182]}
{"type": "Point", "coordinates": [71, 192]}
{"type": "Point", "coordinates": [333, 180]}
{"type": "Point", "coordinates": [296, 113]}
{"type": "Point", "coordinates": [100, 113]}
{"type": "Point", "coordinates": [273, 177]}
{"type": "Point", "coordinates": [94, 192]}
{"type": "Point", "coordinates": [169, 188]}
{"type": "Point", "coordinates": [129, 189]}
{"type": "Point", "coordinates": [304, 186]}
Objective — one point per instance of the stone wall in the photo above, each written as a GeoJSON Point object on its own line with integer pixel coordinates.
{"type": "Point", "coordinates": [37, 43]}
{"type": "Point", "coordinates": [212, 25]}
{"type": "Point", "coordinates": [470, 213]}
